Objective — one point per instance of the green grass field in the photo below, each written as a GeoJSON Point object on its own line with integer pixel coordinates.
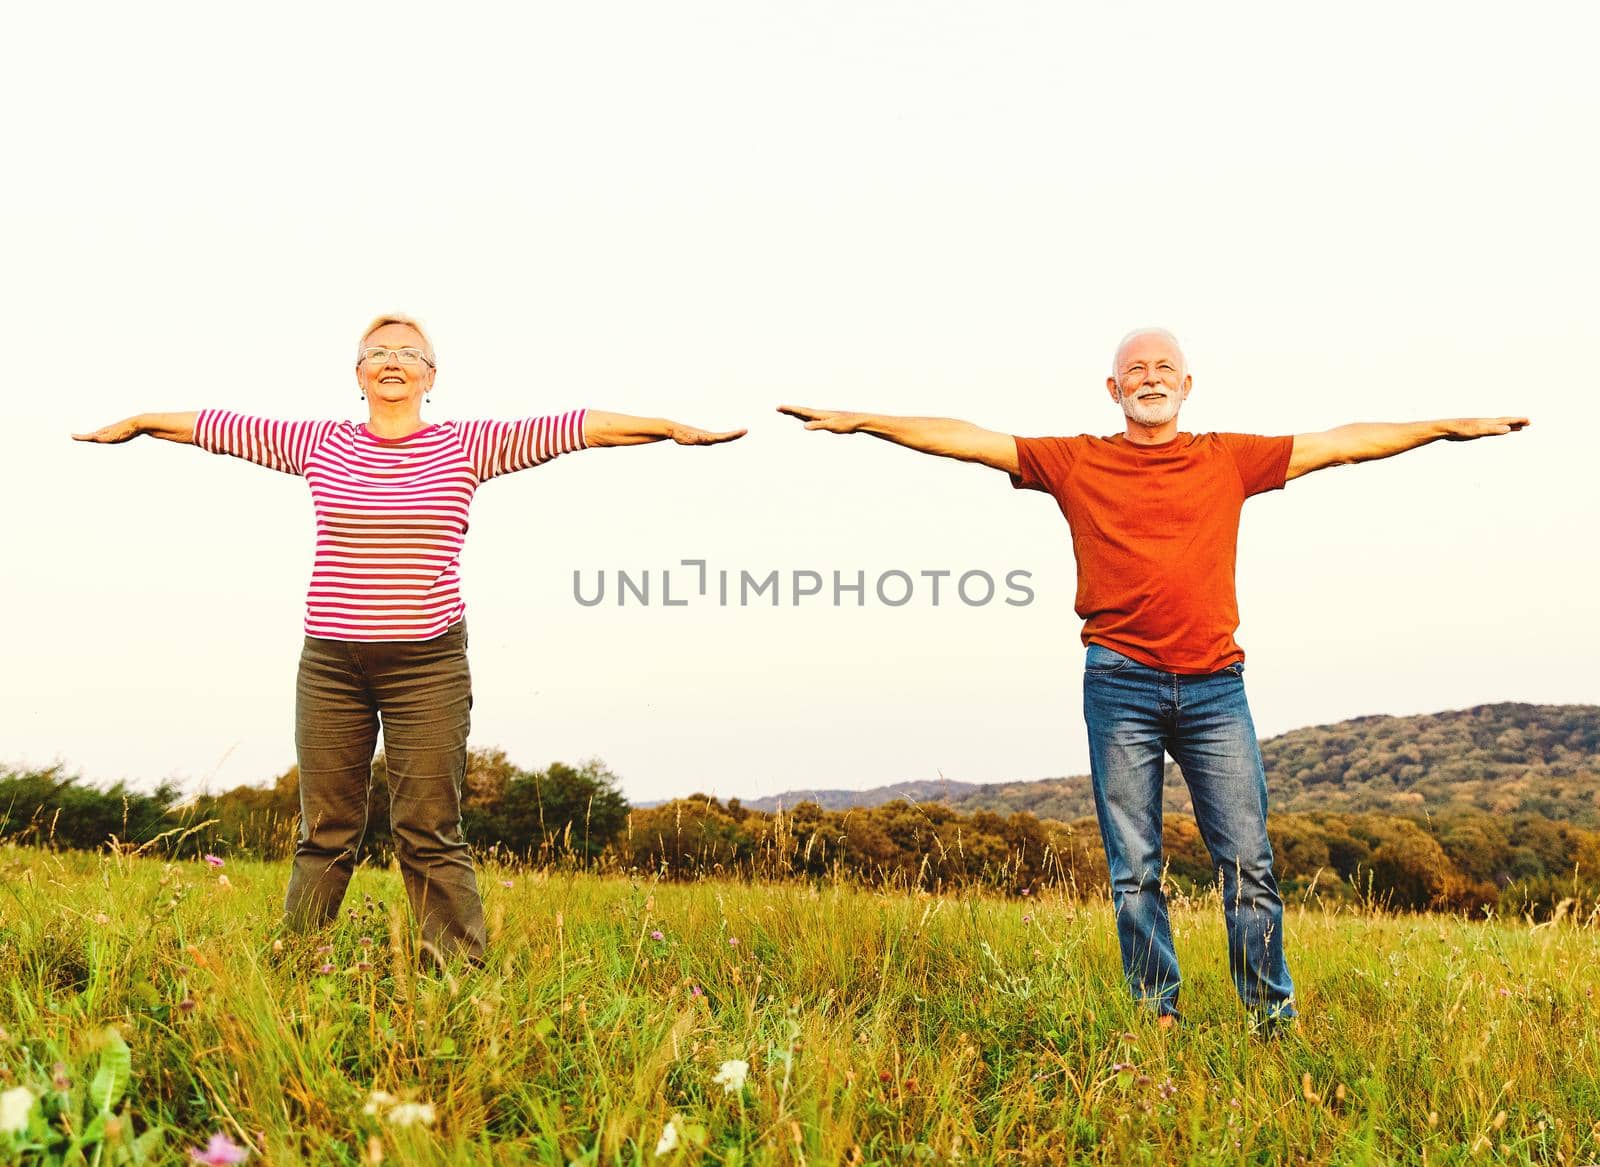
{"type": "Point", "coordinates": [878, 1027]}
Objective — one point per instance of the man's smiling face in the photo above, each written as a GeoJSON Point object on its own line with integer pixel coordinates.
{"type": "Point", "coordinates": [1150, 378]}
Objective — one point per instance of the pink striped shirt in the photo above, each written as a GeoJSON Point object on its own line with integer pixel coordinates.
{"type": "Point", "coordinates": [391, 512]}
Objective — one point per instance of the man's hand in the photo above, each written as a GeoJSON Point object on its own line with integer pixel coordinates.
{"type": "Point", "coordinates": [688, 435]}
{"type": "Point", "coordinates": [1466, 428]}
{"type": "Point", "coordinates": [835, 421]}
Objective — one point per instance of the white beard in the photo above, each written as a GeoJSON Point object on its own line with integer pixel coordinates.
{"type": "Point", "coordinates": [1151, 413]}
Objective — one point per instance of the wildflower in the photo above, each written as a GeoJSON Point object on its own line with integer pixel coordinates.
{"type": "Point", "coordinates": [15, 1106]}
{"type": "Point", "coordinates": [1027, 891]}
{"type": "Point", "coordinates": [1167, 1088]}
{"type": "Point", "coordinates": [363, 966]}
{"type": "Point", "coordinates": [733, 942]}
{"type": "Point", "coordinates": [506, 883]}
{"type": "Point", "coordinates": [324, 950]}
{"type": "Point", "coordinates": [187, 1005]}
{"type": "Point", "coordinates": [731, 1076]}
{"type": "Point", "coordinates": [365, 942]}
{"type": "Point", "coordinates": [222, 882]}
{"type": "Point", "coordinates": [1027, 919]}
{"type": "Point", "coordinates": [656, 935]}
{"type": "Point", "coordinates": [277, 946]}
{"type": "Point", "coordinates": [668, 1142]}
{"type": "Point", "coordinates": [215, 861]}
{"type": "Point", "coordinates": [102, 919]}
{"type": "Point", "coordinates": [326, 968]}
{"type": "Point", "coordinates": [411, 1113]}
{"type": "Point", "coordinates": [378, 1100]}
{"type": "Point", "coordinates": [59, 1078]}
{"type": "Point", "coordinates": [696, 991]}
{"type": "Point", "coordinates": [220, 1151]}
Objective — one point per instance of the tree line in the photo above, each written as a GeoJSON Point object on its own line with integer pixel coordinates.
{"type": "Point", "coordinates": [1462, 860]}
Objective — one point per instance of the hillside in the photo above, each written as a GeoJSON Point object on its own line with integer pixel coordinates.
{"type": "Point", "coordinates": [1505, 759]}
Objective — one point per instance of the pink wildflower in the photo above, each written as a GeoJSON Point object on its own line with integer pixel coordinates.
{"type": "Point", "coordinates": [221, 1151]}
{"type": "Point", "coordinates": [326, 968]}
{"type": "Point", "coordinates": [733, 942]}
{"type": "Point", "coordinates": [213, 861]}
{"type": "Point", "coordinates": [656, 935]}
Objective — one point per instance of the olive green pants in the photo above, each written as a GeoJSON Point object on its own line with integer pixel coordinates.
{"type": "Point", "coordinates": [422, 692]}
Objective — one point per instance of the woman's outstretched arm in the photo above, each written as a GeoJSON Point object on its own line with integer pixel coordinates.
{"type": "Point", "coordinates": [171, 427]}
{"type": "Point", "coordinates": [621, 429]}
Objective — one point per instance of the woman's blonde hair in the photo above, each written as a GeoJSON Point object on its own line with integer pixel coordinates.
{"type": "Point", "coordinates": [395, 318]}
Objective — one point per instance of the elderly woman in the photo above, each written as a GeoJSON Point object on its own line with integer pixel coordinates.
{"type": "Point", "coordinates": [385, 630]}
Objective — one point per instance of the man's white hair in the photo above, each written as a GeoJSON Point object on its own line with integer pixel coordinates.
{"type": "Point", "coordinates": [1138, 332]}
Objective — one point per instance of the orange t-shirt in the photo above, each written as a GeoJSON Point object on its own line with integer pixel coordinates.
{"type": "Point", "coordinates": [1154, 531]}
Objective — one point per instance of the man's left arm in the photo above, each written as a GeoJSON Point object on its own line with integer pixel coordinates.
{"type": "Point", "coordinates": [1368, 441]}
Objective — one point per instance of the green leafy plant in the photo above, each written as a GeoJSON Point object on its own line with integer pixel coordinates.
{"type": "Point", "coordinates": [66, 1127]}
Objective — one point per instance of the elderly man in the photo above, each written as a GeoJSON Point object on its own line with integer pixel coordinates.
{"type": "Point", "coordinates": [1154, 514]}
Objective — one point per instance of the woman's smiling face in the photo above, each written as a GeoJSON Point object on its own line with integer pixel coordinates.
{"type": "Point", "coordinates": [394, 365]}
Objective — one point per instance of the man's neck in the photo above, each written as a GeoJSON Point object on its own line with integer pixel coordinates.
{"type": "Point", "coordinates": [1150, 435]}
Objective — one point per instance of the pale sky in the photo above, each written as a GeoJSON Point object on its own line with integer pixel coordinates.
{"type": "Point", "coordinates": [1359, 212]}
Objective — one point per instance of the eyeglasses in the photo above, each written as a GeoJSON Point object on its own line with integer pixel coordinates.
{"type": "Point", "coordinates": [406, 356]}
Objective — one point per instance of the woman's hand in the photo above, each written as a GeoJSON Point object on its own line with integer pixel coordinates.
{"type": "Point", "coordinates": [117, 431]}
{"type": "Point", "coordinates": [169, 427]}
{"type": "Point", "coordinates": [688, 435]}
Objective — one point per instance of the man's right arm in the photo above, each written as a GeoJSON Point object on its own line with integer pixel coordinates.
{"type": "Point", "coordinates": [945, 436]}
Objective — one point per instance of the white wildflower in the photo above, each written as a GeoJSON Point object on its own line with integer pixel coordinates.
{"type": "Point", "coordinates": [731, 1076]}
{"type": "Point", "coordinates": [411, 1113]}
{"type": "Point", "coordinates": [669, 1137]}
{"type": "Point", "coordinates": [379, 1100]}
{"type": "Point", "coordinates": [15, 1106]}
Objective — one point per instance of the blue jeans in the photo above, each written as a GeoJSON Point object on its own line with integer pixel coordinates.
{"type": "Point", "coordinates": [1135, 714]}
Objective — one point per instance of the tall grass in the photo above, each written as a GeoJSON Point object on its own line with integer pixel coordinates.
{"type": "Point", "coordinates": [880, 1025]}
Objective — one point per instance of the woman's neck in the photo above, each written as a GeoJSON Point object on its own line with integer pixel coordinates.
{"type": "Point", "coordinates": [393, 421]}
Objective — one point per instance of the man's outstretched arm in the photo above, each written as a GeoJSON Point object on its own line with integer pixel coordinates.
{"type": "Point", "coordinates": [1367, 441]}
{"type": "Point", "coordinates": [944, 436]}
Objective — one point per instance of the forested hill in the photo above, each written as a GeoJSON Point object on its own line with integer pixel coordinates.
{"type": "Point", "coordinates": [1506, 759]}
